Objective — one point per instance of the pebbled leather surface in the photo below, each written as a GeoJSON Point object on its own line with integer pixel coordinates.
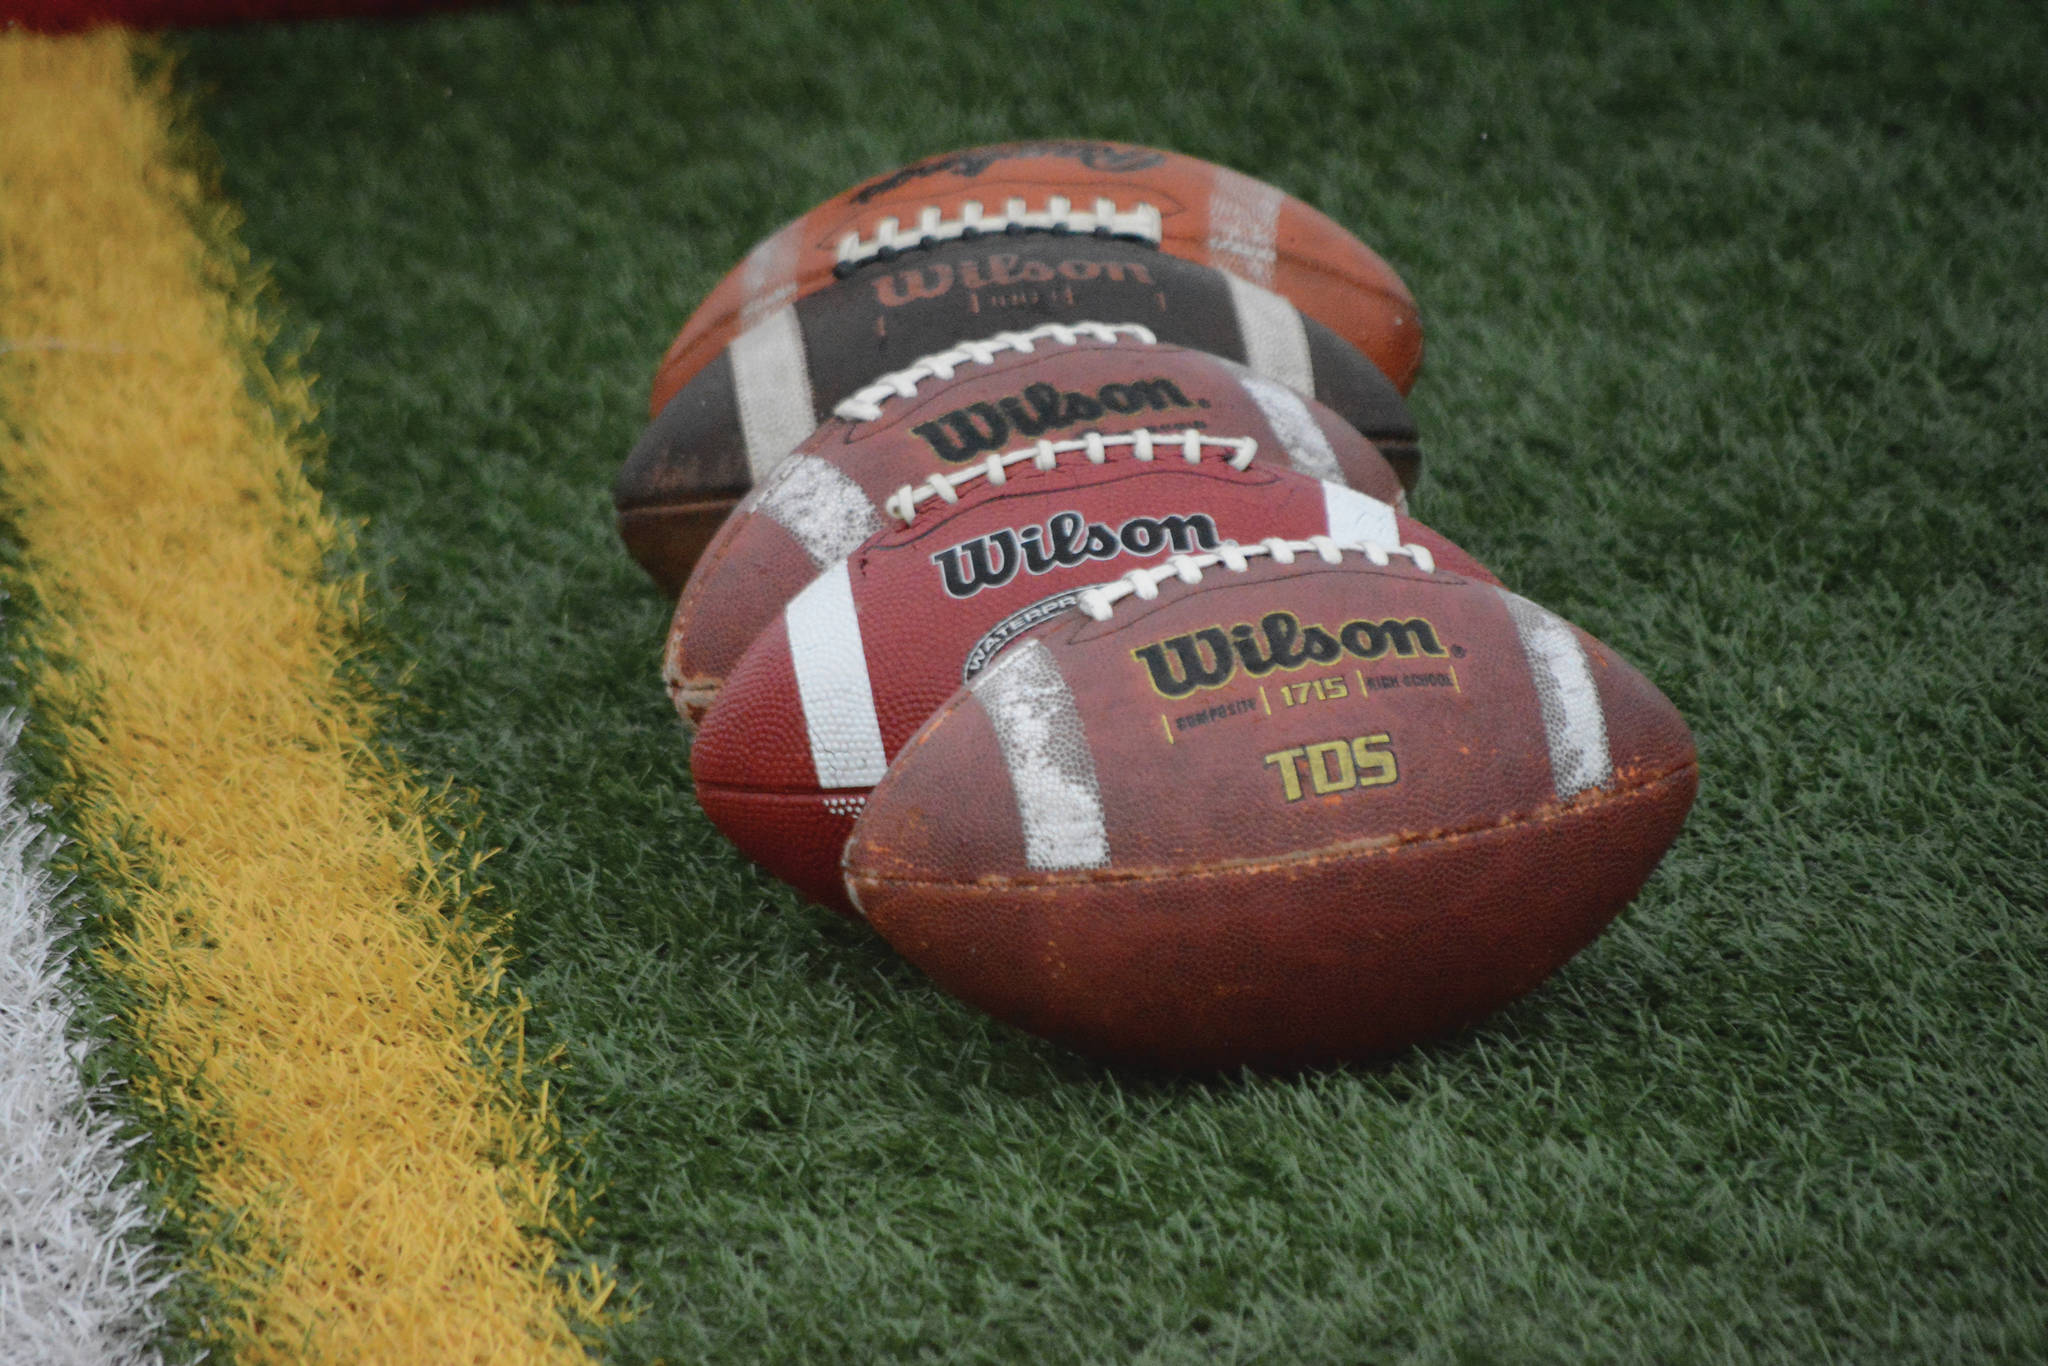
{"type": "Point", "coordinates": [1233, 925]}
{"type": "Point", "coordinates": [1327, 272]}
{"type": "Point", "coordinates": [753, 566]}
{"type": "Point", "coordinates": [917, 634]}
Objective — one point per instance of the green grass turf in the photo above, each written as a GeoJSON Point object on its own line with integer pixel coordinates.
{"type": "Point", "coordinates": [1736, 356]}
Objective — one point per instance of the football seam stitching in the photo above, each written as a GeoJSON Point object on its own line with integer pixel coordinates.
{"type": "Point", "coordinates": [931, 227]}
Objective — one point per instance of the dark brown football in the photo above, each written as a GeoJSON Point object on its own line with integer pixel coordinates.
{"type": "Point", "coordinates": [741, 416]}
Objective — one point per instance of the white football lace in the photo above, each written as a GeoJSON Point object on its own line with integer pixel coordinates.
{"type": "Point", "coordinates": [865, 403]}
{"type": "Point", "coordinates": [1044, 455]}
{"type": "Point", "coordinates": [1144, 583]}
{"type": "Point", "coordinates": [931, 227]}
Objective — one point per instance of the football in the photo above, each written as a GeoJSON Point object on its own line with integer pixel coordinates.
{"type": "Point", "coordinates": [826, 695]}
{"type": "Point", "coordinates": [730, 426]}
{"type": "Point", "coordinates": [1274, 805]}
{"type": "Point", "coordinates": [1191, 209]}
{"type": "Point", "coordinates": [958, 406]}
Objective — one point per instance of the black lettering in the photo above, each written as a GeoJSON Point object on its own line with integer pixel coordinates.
{"type": "Point", "coordinates": [1036, 560]}
{"type": "Point", "coordinates": [984, 562]}
{"type": "Point", "coordinates": [1319, 645]}
{"type": "Point", "coordinates": [954, 437]}
{"type": "Point", "coordinates": [1159, 394]}
{"type": "Point", "coordinates": [1190, 533]}
{"type": "Point", "coordinates": [1064, 540]}
{"type": "Point", "coordinates": [1120, 398]}
{"type": "Point", "coordinates": [1283, 637]}
{"type": "Point", "coordinates": [1142, 536]}
{"type": "Point", "coordinates": [1407, 638]}
{"type": "Point", "coordinates": [1045, 408]}
{"type": "Point", "coordinates": [1280, 641]}
{"type": "Point", "coordinates": [1069, 534]}
{"type": "Point", "coordinates": [1363, 638]}
{"type": "Point", "coordinates": [1246, 640]}
{"type": "Point", "coordinates": [1187, 669]}
{"type": "Point", "coordinates": [1079, 408]}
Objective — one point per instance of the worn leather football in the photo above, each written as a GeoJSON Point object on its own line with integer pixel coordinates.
{"type": "Point", "coordinates": [1273, 809]}
{"type": "Point", "coordinates": [814, 709]}
{"type": "Point", "coordinates": [731, 425]}
{"type": "Point", "coordinates": [993, 395]}
{"type": "Point", "coordinates": [1192, 209]}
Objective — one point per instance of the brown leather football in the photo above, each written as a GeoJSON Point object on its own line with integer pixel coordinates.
{"type": "Point", "coordinates": [736, 421]}
{"type": "Point", "coordinates": [1193, 209]}
{"type": "Point", "coordinates": [1273, 807]}
{"type": "Point", "coordinates": [987, 396]}
{"type": "Point", "coordinates": [815, 708]}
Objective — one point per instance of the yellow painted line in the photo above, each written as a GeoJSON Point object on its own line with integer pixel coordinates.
{"type": "Point", "coordinates": [308, 995]}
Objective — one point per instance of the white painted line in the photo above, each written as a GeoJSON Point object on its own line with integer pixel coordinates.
{"type": "Point", "coordinates": [78, 1280]}
{"type": "Point", "coordinates": [1275, 339]}
{"type": "Point", "coordinates": [1573, 723]}
{"type": "Point", "coordinates": [1359, 519]}
{"type": "Point", "coordinates": [832, 682]}
{"type": "Point", "coordinates": [1051, 769]}
{"type": "Point", "coordinates": [1287, 414]}
{"type": "Point", "coordinates": [1244, 220]}
{"type": "Point", "coordinates": [820, 507]}
{"type": "Point", "coordinates": [771, 382]}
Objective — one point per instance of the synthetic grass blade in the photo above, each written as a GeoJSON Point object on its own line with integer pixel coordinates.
{"type": "Point", "coordinates": [369, 1177]}
{"type": "Point", "coordinates": [77, 1283]}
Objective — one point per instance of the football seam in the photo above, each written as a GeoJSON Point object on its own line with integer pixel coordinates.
{"type": "Point", "coordinates": [1141, 223]}
{"type": "Point", "coordinates": [1385, 846]}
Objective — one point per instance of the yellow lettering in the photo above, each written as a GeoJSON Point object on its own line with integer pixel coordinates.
{"type": "Point", "coordinates": [1375, 766]}
{"type": "Point", "coordinates": [1319, 775]}
{"type": "Point", "coordinates": [1290, 781]}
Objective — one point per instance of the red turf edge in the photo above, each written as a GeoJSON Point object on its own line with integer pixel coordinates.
{"type": "Point", "coordinates": [68, 16]}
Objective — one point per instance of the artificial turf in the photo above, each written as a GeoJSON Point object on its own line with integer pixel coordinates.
{"type": "Point", "coordinates": [1737, 356]}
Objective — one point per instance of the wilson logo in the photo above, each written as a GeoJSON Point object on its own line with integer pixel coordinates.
{"type": "Point", "coordinates": [965, 432]}
{"type": "Point", "coordinates": [998, 269]}
{"type": "Point", "coordinates": [1211, 657]}
{"type": "Point", "coordinates": [1067, 539]}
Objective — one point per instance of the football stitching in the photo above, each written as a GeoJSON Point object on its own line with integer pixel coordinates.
{"type": "Point", "coordinates": [865, 403]}
{"type": "Point", "coordinates": [1141, 223]}
{"type": "Point", "coordinates": [1098, 602]}
{"type": "Point", "coordinates": [1044, 455]}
